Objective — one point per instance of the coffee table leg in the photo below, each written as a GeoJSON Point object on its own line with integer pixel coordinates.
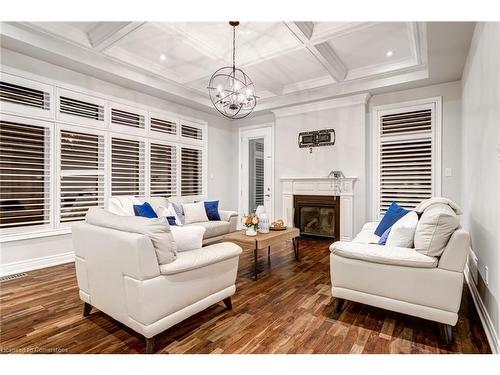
{"type": "Point", "coordinates": [255, 263]}
{"type": "Point", "coordinates": [269, 254]}
{"type": "Point", "coordinates": [296, 247]}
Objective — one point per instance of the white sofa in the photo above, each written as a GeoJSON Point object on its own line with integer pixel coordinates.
{"type": "Point", "coordinates": [214, 230]}
{"type": "Point", "coordinates": [401, 279]}
{"type": "Point", "coordinates": [119, 273]}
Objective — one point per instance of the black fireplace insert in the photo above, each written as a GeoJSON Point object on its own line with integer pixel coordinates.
{"type": "Point", "coordinates": [317, 215]}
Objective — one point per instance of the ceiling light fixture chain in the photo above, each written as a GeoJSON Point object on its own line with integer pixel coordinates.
{"type": "Point", "coordinates": [232, 91]}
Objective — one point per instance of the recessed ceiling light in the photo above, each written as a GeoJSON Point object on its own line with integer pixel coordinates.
{"type": "Point", "coordinates": [163, 57]}
{"type": "Point", "coordinates": [389, 53]}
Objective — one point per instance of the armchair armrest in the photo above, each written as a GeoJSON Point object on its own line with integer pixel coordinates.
{"type": "Point", "coordinates": [231, 217]}
{"type": "Point", "coordinates": [456, 251]}
{"type": "Point", "coordinates": [193, 259]}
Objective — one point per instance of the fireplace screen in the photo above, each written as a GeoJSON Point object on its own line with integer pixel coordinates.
{"type": "Point", "coordinates": [318, 221]}
{"type": "Point", "coordinates": [317, 215]}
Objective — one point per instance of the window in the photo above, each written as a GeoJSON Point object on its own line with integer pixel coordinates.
{"type": "Point", "coordinates": [127, 118]}
{"type": "Point", "coordinates": [192, 132]}
{"type": "Point", "coordinates": [81, 109]}
{"type": "Point", "coordinates": [25, 97]}
{"type": "Point", "coordinates": [64, 151]}
{"type": "Point", "coordinates": [127, 167]}
{"type": "Point", "coordinates": [163, 165]}
{"type": "Point", "coordinates": [25, 174]}
{"type": "Point", "coordinates": [408, 155]}
{"type": "Point", "coordinates": [191, 171]}
{"type": "Point", "coordinates": [82, 174]}
{"type": "Point", "coordinates": [163, 126]}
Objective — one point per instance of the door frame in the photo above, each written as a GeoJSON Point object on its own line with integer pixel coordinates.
{"type": "Point", "coordinates": [241, 134]}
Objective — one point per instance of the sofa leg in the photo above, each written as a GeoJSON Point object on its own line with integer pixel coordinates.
{"type": "Point", "coordinates": [87, 307]}
{"type": "Point", "coordinates": [337, 304]}
{"type": "Point", "coordinates": [228, 303]}
{"type": "Point", "coordinates": [448, 333]}
{"type": "Point", "coordinates": [150, 345]}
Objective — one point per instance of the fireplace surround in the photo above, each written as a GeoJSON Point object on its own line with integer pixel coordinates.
{"type": "Point", "coordinates": [317, 215]}
{"type": "Point", "coordinates": [341, 188]}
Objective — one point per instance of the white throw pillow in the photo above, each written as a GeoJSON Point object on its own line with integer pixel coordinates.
{"type": "Point", "coordinates": [163, 211]}
{"type": "Point", "coordinates": [403, 231]}
{"type": "Point", "coordinates": [436, 225]}
{"type": "Point", "coordinates": [194, 212]}
{"type": "Point", "coordinates": [188, 238]}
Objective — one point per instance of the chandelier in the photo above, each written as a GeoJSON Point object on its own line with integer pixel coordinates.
{"type": "Point", "coordinates": [231, 90]}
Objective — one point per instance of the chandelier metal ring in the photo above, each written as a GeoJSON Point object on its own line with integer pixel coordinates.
{"type": "Point", "coordinates": [231, 90]}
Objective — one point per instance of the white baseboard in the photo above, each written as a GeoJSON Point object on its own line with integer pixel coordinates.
{"type": "Point", "coordinates": [489, 329]}
{"type": "Point", "coordinates": [37, 263]}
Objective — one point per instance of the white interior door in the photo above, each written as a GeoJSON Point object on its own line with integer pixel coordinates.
{"type": "Point", "coordinates": [256, 180]}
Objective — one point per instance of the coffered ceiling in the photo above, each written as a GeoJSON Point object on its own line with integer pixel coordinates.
{"type": "Point", "coordinates": [288, 61]}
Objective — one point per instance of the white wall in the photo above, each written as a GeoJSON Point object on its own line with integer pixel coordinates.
{"type": "Point", "coordinates": [347, 155]}
{"type": "Point", "coordinates": [451, 127]}
{"type": "Point", "coordinates": [222, 146]}
{"type": "Point", "coordinates": [481, 159]}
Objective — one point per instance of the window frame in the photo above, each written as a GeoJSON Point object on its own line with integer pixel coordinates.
{"type": "Point", "coordinates": [433, 103]}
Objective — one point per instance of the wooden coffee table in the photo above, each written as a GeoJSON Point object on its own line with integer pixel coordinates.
{"type": "Point", "coordinates": [263, 240]}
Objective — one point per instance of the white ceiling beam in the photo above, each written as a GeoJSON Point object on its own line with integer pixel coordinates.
{"type": "Point", "coordinates": [323, 52]}
{"type": "Point", "coordinates": [106, 34]}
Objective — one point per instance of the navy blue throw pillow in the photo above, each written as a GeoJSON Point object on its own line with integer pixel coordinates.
{"type": "Point", "coordinates": [171, 220]}
{"type": "Point", "coordinates": [145, 210]}
{"type": "Point", "coordinates": [212, 210]}
{"type": "Point", "coordinates": [393, 214]}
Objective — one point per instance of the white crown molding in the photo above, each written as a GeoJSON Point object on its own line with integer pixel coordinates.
{"type": "Point", "coordinates": [36, 263]}
{"type": "Point", "coordinates": [322, 105]}
{"type": "Point", "coordinates": [485, 318]}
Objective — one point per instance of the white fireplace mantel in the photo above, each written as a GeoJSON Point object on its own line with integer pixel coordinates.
{"type": "Point", "coordinates": [341, 187]}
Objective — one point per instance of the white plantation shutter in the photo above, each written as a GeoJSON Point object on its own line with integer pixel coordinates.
{"type": "Point", "coordinates": [406, 157]}
{"type": "Point", "coordinates": [127, 167]}
{"type": "Point", "coordinates": [191, 132]}
{"type": "Point", "coordinates": [163, 126]}
{"type": "Point", "coordinates": [191, 171]}
{"type": "Point", "coordinates": [82, 174]}
{"type": "Point", "coordinates": [26, 97]}
{"type": "Point", "coordinates": [25, 174]}
{"type": "Point", "coordinates": [127, 117]}
{"type": "Point", "coordinates": [163, 169]}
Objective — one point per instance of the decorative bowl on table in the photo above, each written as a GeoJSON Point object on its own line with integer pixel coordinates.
{"type": "Point", "coordinates": [277, 225]}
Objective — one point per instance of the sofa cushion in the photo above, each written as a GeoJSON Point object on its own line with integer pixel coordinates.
{"type": "Point", "coordinates": [366, 235]}
{"type": "Point", "coordinates": [203, 257]}
{"type": "Point", "coordinates": [213, 228]}
{"type": "Point", "coordinates": [157, 230]}
{"type": "Point", "coordinates": [194, 212]}
{"type": "Point", "coordinates": [402, 232]}
{"type": "Point", "coordinates": [434, 229]}
{"type": "Point", "coordinates": [123, 205]}
{"type": "Point", "coordinates": [169, 211]}
{"type": "Point", "coordinates": [393, 214]}
{"type": "Point", "coordinates": [155, 202]}
{"type": "Point", "coordinates": [188, 237]}
{"type": "Point", "coordinates": [392, 255]}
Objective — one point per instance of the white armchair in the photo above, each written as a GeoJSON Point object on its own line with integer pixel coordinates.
{"type": "Point", "coordinates": [118, 273]}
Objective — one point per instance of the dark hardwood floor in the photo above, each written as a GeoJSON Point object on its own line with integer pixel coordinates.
{"type": "Point", "coordinates": [288, 310]}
